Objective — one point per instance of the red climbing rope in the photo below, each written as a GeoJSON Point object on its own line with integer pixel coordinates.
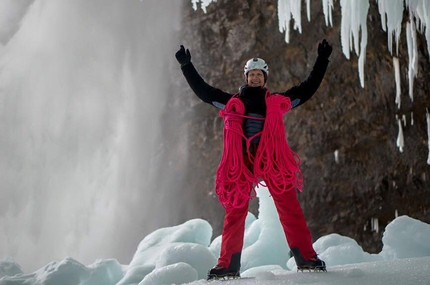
{"type": "Point", "coordinates": [274, 161]}
{"type": "Point", "coordinates": [233, 180]}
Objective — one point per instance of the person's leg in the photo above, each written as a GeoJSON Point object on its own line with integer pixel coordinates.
{"type": "Point", "coordinates": [294, 223]}
{"type": "Point", "coordinates": [232, 238]}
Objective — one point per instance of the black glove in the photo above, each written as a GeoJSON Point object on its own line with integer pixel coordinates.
{"type": "Point", "coordinates": [182, 56]}
{"type": "Point", "coordinates": [324, 49]}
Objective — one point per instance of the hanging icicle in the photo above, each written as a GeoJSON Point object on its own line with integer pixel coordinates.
{"type": "Point", "coordinates": [397, 78]}
{"type": "Point", "coordinates": [327, 10]}
{"type": "Point", "coordinates": [411, 40]}
{"type": "Point", "coordinates": [287, 10]}
{"type": "Point", "coordinates": [400, 140]}
{"type": "Point", "coordinates": [391, 12]}
{"type": "Point", "coordinates": [428, 134]}
{"type": "Point", "coordinates": [354, 20]}
{"type": "Point", "coordinates": [203, 3]}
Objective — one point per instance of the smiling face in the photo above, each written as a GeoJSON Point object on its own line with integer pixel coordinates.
{"type": "Point", "coordinates": [255, 78]}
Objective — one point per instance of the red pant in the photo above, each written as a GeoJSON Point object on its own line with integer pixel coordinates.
{"type": "Point", "coordinates": [292, 220]}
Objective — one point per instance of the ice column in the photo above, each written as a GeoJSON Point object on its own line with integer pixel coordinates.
{"type": "Point", "coordinates": [354, 19]}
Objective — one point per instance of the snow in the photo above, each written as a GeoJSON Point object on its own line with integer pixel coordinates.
{"type": "Point", "coordinates": [182, 254]}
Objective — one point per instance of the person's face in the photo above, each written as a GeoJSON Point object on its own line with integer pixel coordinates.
{"type": "Point", "coordinates": [255, 78]}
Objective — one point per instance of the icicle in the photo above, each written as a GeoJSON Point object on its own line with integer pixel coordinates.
{"type": "Point", "coordinates": [428, 134]}
{"type": "Point", "coordinates": [374, 222]}
{"type": "Point", "coordinates": [327, 10]}
{"type": "Point", "coordinates": [288, 9]}
{"type": "Point", "coordinates": [296, 8]}
{"type": "Point", "coordinates": [396, 213]}
{"type": "Point", "coordinates": [400, 139]}
{"type": "Point", "coordinates": [283, 15]}
{"type": "Point", "coordinates": [354, 19]}
{"type": "Point", "coordinates": [397, 78]}
{"type": "Point", "coordinates": [412, 118]}
{"type": "Point", "coordinates": [404, 120]}
{"type": "Point", "coordinates": [345, 30]}
{"type": "Point", "coordinates": [420, 9]}
{"type": "Point", "coordinates": [308, 9]}
{"type": "Point", "coordinates": [336, 156]}
{"type": "Point", "coordinates": [391, 19]}
{"type": "Point", "coordinates": [411, 40]}
{"type": "Point", "coordinates": [204, 4]}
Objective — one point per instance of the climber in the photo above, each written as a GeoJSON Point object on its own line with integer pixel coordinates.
{"type": "Point", "coordinates": [253, 136]}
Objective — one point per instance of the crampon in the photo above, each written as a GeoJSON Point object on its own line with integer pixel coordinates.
{"type": "Point", "coordinates": [221, 273]}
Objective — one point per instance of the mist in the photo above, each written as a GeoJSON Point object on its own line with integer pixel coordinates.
{"type": "Point", "coordinates": [82, 86]}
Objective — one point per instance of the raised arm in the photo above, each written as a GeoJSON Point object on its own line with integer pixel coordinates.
{"type": "Point", "coordinates": [301, 93]}
{"type": "Point", "coordinates": [204, 91]}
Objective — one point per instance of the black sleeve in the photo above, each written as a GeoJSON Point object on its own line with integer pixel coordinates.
{"type": "Point", "coordinates": [301, 93]}
{"type": "Point", "coordinates": [204, 91]}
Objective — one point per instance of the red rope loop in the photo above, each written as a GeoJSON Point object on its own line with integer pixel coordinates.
{"type": "Point", "coordinates": [233, 179]}
{"type": "Point", "coordinates": [276, 163]}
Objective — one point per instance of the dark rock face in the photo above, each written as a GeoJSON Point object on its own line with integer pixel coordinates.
{"type": "Point", "coordinates": [371, 179]}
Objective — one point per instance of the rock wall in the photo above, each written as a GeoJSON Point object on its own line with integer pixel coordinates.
{"type": "Point", "coordinates": [371, 180]}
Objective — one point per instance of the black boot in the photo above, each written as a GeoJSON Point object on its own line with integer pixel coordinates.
{"type": "Point", "coordinates": [312, 264]}
{"type": "Point", "coordinates": [219, 272]}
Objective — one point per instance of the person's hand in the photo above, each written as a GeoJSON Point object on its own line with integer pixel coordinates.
{"type": "Point", "coordinates": [324, 49]}
{"type": "Point", "coordinates": [182, 56]}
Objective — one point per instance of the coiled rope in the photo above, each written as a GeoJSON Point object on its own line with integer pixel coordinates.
{"type": "Point", "coordinates": [233, 179]}
{"type": "Point", "coordinates": [274, 161]}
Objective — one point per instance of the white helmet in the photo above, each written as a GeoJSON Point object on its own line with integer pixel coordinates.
{"type": "Point", "coordinates": [256, 63]}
